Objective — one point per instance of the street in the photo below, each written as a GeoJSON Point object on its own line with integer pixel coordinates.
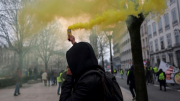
{"type": "Point", "coordinates": [154, 94]}
{"type": "Point", "coordinates": [39, 92]}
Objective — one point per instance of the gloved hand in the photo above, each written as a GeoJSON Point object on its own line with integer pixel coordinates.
{"type": "Point", "coordinates": [69, 72]}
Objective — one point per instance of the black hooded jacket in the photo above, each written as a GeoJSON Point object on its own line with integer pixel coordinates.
{"type": "Point", "coordinates": [81, 58]}
{"type": "Point", "coordinates": [131, 78]}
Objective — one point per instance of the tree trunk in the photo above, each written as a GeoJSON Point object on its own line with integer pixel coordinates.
{"type": "Point", "coordinates": [20, 61]}
{"type": "Point", "coordinates": [134, 25]}
{"type": "Point", "coordinates": [46, 65]}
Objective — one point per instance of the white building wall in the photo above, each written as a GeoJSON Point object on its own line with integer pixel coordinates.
{"type": "Point", "coordinates": [173, 27]}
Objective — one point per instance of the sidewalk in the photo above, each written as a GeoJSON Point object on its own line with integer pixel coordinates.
{"type": "Point", "coordinates": [39, 92]}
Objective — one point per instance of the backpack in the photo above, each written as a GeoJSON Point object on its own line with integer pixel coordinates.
{"type": "Point", "coordinates": [112, 91]}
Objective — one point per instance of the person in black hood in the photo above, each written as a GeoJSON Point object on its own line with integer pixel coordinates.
{"type": "Point", "coordinates": [81, 58]}
{"type": "Point", "coordinates": [131, 82]}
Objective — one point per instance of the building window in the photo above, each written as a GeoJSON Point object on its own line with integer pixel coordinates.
{"type": "Point", "coordinates": [162, 42]}
{"type": "Point", "coordinates": [156, 44]}
{"type": "Point", "coordinates": [154, 28]}
{"type": "Point", "coordinates": [145, 28]}
{"type": "Point", "coordinates": [142, 31]}
{"type": "Point", "coordinates": [166, 19]}
{"type": "Point", "coordinates": [143, 43]}
{"type": "Point", "coordinates": [174, 17]}
{"type": "Point", "coordinates": [169, 42]}
{"type": "Point", "coordinates": [172, 1]}
{"type": "Point", "coordinates": [151, 47]}
{"type": "Point", "coordinates": [160, 25]}
{"type": "Point", "coordinates": [144, 55]}
{"type": "Point", "coordinates": [149, 31]}
{"type": "Point", "coordinates": [147, 42]}
{"type": "Point", "coordinates": [176, 34]}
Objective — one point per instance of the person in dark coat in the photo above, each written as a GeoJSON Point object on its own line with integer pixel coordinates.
{"type": "Point", "coordinates": [35, 73]}
{"type": "Point", "coordinates": [17, 77]}
{"type": "Point", "coordinates": [131, 82]}
{"type": "Point", "coordinates": [30, 73]}
{"type": "Point", "coordinates": [148, 73]}
{"type": "Point", "coordinates": [162, 79]}
{"type": "Point", "coordinates": [49, 77]}
{"type": "Point", "coordinates": [81, 58]}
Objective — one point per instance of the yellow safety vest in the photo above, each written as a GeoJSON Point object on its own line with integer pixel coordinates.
{"type": "Point", "coordinates": [114, 71]}
{"type": "Point", "coordinates": [121, 71]}
{"type": "Point", "coordinates": [155, 69]}
{"type": "Point", "coordinates": [59, 78]}
{"type": "Point", "coordinates": [128, 73]}
{"type": "Point", "coordinates": [161, 76]}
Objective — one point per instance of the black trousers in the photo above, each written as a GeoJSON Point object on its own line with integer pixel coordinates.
{"type": "Point", "coordinates": [132, 89]}
{"type": "Point", "coordinates": [162, 83]}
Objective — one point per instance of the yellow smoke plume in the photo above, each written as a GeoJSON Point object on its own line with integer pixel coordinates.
{"type": "Point", "coordinates": [104, 12]}
{"type": "Point", "coordinates": [46, 11]}
{"type": "Point", "coordinates": [127, 7]}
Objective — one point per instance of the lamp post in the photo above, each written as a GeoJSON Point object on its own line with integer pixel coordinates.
{"type": "Point", "coordinates": [109, 36]}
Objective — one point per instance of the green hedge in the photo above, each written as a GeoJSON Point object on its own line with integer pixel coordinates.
{"type": "Point", "coordinates": [10, 81]}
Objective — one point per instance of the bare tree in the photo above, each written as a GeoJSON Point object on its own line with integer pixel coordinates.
{"type": "Point", "coordinates": [12, 32]}
{"type": "Point", "coordinates": [103, 45]}
{"type": "Point", "coordinates": [47, 43]}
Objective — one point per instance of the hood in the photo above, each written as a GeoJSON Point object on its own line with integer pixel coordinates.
{"type": "Point", "coordinates": [132, 68]}
{"type": "Point", "coordinates": [81, 58]}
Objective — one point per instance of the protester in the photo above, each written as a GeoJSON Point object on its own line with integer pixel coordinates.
{"type": "Point", "coordinates": [35, 73]}
{"type": "Point", "coordinates": [44, 78]}
{"type": "Point", "coordinates": [147, 75]}
{"type": "Point", "coordinates": [155, 71]}
{"type": "Point", "coordinates": [115, 72]}
{"type": "Point", "coordinates": [162, 79]}
{"type": "Point", "coordinates": [17, 77]}
{"type": "Point", "coordinates": [81, 58]}
{"type": "Point", "coordinates": [56, 74]}
{"type": "Point", "coordinates": [49, 77]}
{"type": "Point", "coordinates": [127, 74]}
{"type": "Point", "coordinates": [60, 81]}
{"type": "Point", "coordinates": [30, 73]}
{"type": "Point", "coordinates": [41, 72]}
{"type": "Point", "coordinates": [52, 77]}
{"type": "Point", "coordinates": [122, 73]}
{"type": "Point", "coordinates": [131, 82]}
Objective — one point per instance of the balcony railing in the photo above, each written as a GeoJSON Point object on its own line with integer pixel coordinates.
{"type": "Point", "coordinates": [154, 33]}
{"type": "Point", "coordinates": [151, 51]}
{"type": "Point", "coordinates": [167, 27]}
{"type": "Point", "coordinates": [177, 44]}
{"type": "Point", "coordinates": [169, 46]}
{"type": "Point", "coordinates": [150, 36]}
{"type": "Point", "coordinates": [162, 47]}
{"type": "Point", "coordinates": [160, 30]}
{"type": "Point", "coordinates": [175, 22]}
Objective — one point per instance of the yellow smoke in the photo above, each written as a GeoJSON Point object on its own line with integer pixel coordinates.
{"type": "Point", "coordinates": [45, 11]}
{"type": "Point", "coordinates": [127, 7]}
{"type": "Point", "coordinates": [104, 12]}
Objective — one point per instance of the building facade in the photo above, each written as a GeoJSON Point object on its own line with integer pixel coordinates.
{"type": "Point", "coordinates": [145, 42]}
{"type": "Point", "coordinates": [125, 51]}
{"type": "Point", "coordinates": [164, 35]}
